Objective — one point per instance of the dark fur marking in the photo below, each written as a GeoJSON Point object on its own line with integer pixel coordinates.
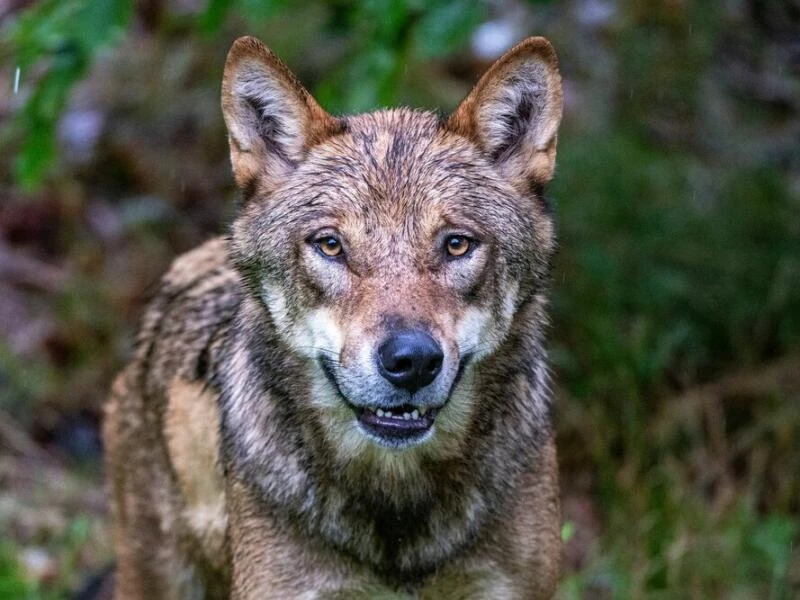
{"type": "Point", "coordinates": [249, 190]}
{"type": "Point", "coordinates": [516, 123]}
{"type": "Point", "coordinates": [269, 128]}
{"type": "Point", "coordinates": [201, 368]}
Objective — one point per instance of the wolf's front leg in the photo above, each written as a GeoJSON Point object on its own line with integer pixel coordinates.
{"type": "Point", "coordinates": [152, 560]}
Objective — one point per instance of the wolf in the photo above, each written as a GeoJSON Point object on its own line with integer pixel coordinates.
{"type": "Point", "coordinates": [348, 395]}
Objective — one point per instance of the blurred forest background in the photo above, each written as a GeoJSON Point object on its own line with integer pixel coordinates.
{"type": "Point", "coordinates": [676, 337]}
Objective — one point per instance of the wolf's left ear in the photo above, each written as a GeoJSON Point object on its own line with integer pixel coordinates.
{"type": "Point", "coordinates": [272, 120]}
{"type": "Point", "coordinates": [514, 111]}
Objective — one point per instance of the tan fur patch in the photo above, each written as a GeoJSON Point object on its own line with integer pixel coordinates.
{"type": "Point", "coordinates": [191, 427]}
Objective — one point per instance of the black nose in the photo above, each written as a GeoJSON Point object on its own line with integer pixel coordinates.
{"type": "Point", "coordinates": [410, 359]}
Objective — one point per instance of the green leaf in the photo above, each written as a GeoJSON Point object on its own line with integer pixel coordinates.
{"type": "Point", "coordinates": [37, 121]}
{"type": "Point", "coordinates": [214, 15]}
{"type": "Point", "coordinates": [62, 36]}
{"type": "Point", "coordinates": [446, 27]}
{"type": "Point", "coordinates": [567, 531]}
{"type": "Point", "coordinates": [12, 583]}
{"type": "Point", "coordinates": [100, 22]}
{"type": "Point", "coordinates": [261, 10]}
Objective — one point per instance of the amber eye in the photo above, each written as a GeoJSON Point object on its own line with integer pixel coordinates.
{"type": "Point", "coordinates": [329, 246]}
{"type": "Point", "coordinates": [458, 245]}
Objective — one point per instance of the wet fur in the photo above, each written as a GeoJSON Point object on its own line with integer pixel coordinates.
{"type": "Point", "coordinates": [235, 466]}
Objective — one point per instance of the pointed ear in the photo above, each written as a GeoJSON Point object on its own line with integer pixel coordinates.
{"type": "Point", "coordinates": [272, 120]}
{"type": "Point", "coordinates": [514, 111]}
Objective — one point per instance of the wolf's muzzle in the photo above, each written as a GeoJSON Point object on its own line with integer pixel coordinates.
{"type": "Point", "coordinates": [410, 359]}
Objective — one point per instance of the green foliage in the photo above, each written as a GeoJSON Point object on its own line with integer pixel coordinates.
{"type": "Point", "coordinates": [23, 380]}
{"type": "Point", "coordinates": [684, 550]}
{"type": "Point", "coordinates": [664, 281]}
{"type": "Point", "coordinates": [387, 39]}
{"type": "Point", "coordinates": [54, 42]}
{"type": "Point", "coordinates": [445, 26]}
{"type": "Point", "coordinates": [650, 257]}
{"type": "Point", "coordinates": [12, 582]}
{"type": "Point", "coordinates": [217, 11]}
{"type": "Point", "coordinates": [67, 548]}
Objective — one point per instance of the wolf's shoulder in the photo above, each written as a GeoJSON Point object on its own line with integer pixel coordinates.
{"type": "Point", "coordinates": [188, 319]}
{"type": "Point", "coordinates": [206, 262]}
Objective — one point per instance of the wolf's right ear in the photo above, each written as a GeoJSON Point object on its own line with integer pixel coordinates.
{"type": "Point", "coordinates": [272, 120]}
{"type": "Point", "coordinates": [514, 111]}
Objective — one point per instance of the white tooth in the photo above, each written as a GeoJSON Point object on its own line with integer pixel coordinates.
{"type": "Point", "coordinates": [423, 410]}
{"type": "Point", "coordinates": [380, 412]}
{"type": "Point", "coordinates": [407, 416]}
{"type": "Point", "coordinates": [388, 413]}
{"type": "Point", "coordinates": [415, 414]}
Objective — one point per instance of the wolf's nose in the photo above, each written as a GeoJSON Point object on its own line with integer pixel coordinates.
{"type": "Point", "coordinates": [410, 359]}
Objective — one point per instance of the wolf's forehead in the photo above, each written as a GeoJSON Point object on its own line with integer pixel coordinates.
{"type": "Point", "coordinates": [397, 156]}
{"type": "Point", "coordinates": [398, 123]}
{"type": "Point", "coordinates": [397, 145]}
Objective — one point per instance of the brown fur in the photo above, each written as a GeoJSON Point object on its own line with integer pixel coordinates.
{"type": "Point", "coordinates": [235, 462]}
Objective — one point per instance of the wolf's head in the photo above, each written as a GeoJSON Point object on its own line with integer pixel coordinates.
{"type": "Point", "coordinates": [395, 253]}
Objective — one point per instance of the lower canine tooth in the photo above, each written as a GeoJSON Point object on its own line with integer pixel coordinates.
{"type": "Point", "coordinates": [415, 414]}
{"type": "Point", "coordinates": [379, 412]}
{"type": "Point", "coordinates": [406, 416]}
{"type": "Point", "coordinates": [388, 413]}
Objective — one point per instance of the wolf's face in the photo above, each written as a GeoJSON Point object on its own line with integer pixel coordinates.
{"type": "Point", "coordinates": [392, 251]}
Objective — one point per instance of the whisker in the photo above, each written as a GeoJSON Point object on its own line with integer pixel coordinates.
{"type": "Point", "coordinates": [480, 347]}
{"type": "Point", "coordinates": [320, 349]}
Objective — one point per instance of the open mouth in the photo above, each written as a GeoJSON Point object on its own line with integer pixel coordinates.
{"type": "Point", "coordinates": [401, 423]}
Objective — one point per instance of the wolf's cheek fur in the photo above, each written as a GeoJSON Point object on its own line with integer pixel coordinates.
{"type": "Point", "coordinates": [481, 329]}
{"type": "Point", "coordinates": [311, 334]}
{"type": "Point", "coordinates": [299, 293]}
{"type": "Point", "coordinates": [277, 304]}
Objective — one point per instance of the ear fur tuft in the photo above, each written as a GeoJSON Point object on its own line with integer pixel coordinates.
{"type": "Point", "coordinates": [272, 120]}
{"type": "Point", "coordinates": [514, 111]}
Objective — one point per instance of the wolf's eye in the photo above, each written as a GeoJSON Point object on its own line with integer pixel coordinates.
{"type": "Point", "coordinates": [329, 246]}
{"type": "Point", "coordinates": [458, 245]}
